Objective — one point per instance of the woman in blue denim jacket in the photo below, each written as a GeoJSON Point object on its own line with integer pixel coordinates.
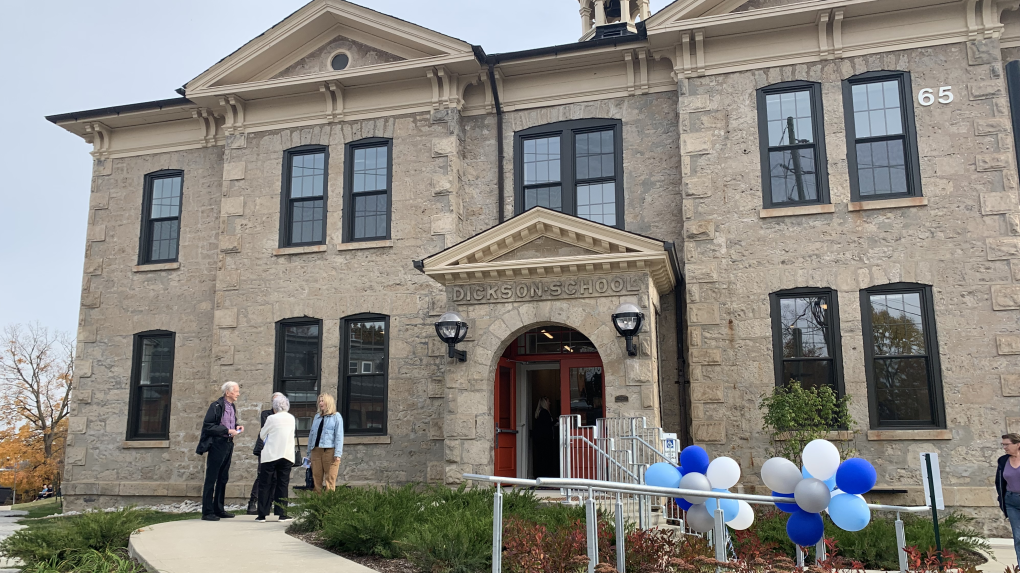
{"type": "Point", "coordinates": [326, 443]}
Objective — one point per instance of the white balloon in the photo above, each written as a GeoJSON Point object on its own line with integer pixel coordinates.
{"type": "Point", "coordinates": [724, 473]}
{"type": "Point", "coordinates": [780, 475]}
{"type": "Point", "coordinates": [821, 459]}
{"type": "Point", "coordinates": [744, 518]}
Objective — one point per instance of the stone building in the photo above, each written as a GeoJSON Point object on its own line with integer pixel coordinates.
{"type": "Point", "coordinates": [820, 190]}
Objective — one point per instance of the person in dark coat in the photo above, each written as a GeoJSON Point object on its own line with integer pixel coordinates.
{"type": "Point", "coordinates": [1007, 485]}
{"type": "Point", "coordinates": [253, 499]}
{"type": "Point", "coordinates": [543, 431]}
{"type": "Point", "coordinates": [218, 430]}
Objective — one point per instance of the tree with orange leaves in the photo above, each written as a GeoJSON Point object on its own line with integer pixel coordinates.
{"type": "Point", "coordinates": [35, 390]}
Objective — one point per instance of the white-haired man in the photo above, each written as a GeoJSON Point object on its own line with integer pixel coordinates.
{"type": "Point", "coordinates": [218, 430]}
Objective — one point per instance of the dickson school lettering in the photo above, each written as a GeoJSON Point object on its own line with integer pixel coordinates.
{"type": "Point", "coordinates": [573, 287]}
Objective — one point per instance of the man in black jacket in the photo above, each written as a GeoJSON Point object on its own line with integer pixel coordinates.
{"type": "Point", "coordinates": [253, 499]}
{"type": "Point", "coordinates": [218, 430]}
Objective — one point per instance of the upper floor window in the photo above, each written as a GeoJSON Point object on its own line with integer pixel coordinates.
{"type": "Point", "coordinates": [364, 371]}
{"type": "Point", "coordinates": [792, 143]}
{"type": "Point", "coordinates": [304, 196]}
{"type": "Point", "coordinates": [161, 217]}
{"type": "Point", "coordinates": [901, 354]}
{"type": "Point", "coordinates": [152, 374]}
{"type": "Point", "coordinates": [880, 137]}
{"type": "Point", "coordinates": [805, 338]}
{"type": "Point", "coordinates": [575, 167]}
{"type": "Point", "coordinates": [298, 352]}
{"type": "Point", "coordinates": [368, 190]}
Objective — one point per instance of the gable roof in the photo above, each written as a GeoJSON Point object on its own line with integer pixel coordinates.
{"type": "Point", "coordinates": [606, 250]}
{"type": "Point", "coordinates": [312, 26]}
{"type": "Point", "coordinates": [688, 9]}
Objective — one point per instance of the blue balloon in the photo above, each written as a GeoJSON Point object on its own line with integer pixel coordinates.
{"type": "Point", "coordinates": [694, 459]}
{"type": "Point", "coordinates": [805, 528]}
{"type": "Point", "coordinates": [680, 470]}
{"type": "Point", "coordinates": [787, 507]}
{"type": "Point", "coordinates": [662, 475]}
{"type": "Point", "coordinates": [682, 503]}
{"type": "Point", "coordinates": [730, 507]}
{"type": "Point", "coordinates": [831, 482]}
{"type": "Point", "coordinates": [849, 512]}
{"type": "Point", "coordinates": [856, 475]}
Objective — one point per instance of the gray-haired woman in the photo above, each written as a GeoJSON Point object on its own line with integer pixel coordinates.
{"type": "Point", "coordinates": [276, 459]}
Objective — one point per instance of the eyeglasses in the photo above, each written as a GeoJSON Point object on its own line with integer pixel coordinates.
{"type": "Point", "coordinates": [1007, 444]}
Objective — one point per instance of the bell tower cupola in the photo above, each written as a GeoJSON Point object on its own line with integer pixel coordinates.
{"type": "Point", "coordinates": [609, 18]}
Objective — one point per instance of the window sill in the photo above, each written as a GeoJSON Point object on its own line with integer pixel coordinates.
{"type": "Point", "coordinates": [145, 444]}
{"type": "Point", "coordinates": [299, 250]}
{"type": "Point", "coordinates": [355, 440]}
{"type": "Point", "coordinates": [887, 204]}
{"type": "Point", "coordinates": [881, 435]}
{"type": "Point", "coordinates": [795, 211]}
{"type": "Point", "coordinates": [364, 245]}
{"type": "Point", "coordinates": [156, 267]}
{"type": "Point", "coordinates": [838, 436]}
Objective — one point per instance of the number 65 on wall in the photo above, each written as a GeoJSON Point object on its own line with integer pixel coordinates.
{"type": "Point", "coordinates": [926, 96]}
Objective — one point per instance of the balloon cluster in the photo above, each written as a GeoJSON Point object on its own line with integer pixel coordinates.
{"type": "Point", "coordinates": [697, 473]}
{"type": "Point", "coordinates": [821, 484]}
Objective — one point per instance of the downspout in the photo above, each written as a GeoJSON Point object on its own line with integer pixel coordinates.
{"type": "Point", "coordinates": [1013, 87]}
{"type": "Point", "coordinates": [682, 380]}
{"type": "Point", "coordinates": [499, 138]}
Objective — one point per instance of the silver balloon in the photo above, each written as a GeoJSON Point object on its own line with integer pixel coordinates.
{"type": "Point", "coordinates": [699, 519]}
{"type": "Point", "coordinates": [780, 475]}
{"type": "Point", "coordinates": [812, 495]}
{"type": "Point", "coordinates": [695, 481]}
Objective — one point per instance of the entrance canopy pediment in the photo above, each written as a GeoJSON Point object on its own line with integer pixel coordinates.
{"type": "Point", "coordinates": [542, 243]}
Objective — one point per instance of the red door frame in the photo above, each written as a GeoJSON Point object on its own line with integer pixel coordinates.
{"type": "Point", "coordinates": [505, 455]}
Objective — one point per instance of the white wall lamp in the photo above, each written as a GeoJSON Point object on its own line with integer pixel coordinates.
{"type": "Point", "coordinates": [627, 320]}
{"type": "Point", "coordinates": [452, 329]}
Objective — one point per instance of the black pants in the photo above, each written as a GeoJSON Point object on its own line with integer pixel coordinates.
{"type": "Point", "coordinates": [217, 472]}
{"type": "Point", "coordinates": [257, 487]}
{"type": "Point", "coordinates": [277, 471]}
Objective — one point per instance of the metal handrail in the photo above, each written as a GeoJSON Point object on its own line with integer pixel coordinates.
{"type": "Point", "coordinates": [599, 451]}
{"type": "Point", "coordinates": [720, 533]}
{"type": "Point", "coordinates": [647, 445]}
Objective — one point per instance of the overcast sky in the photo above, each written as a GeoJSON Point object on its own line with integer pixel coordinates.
{"type": "Point", "coordinates": [62, 56]}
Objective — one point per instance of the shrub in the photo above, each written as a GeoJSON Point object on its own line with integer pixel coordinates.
{"type": "Point", "coordinates": [96, 531]}
{"type": "Point", "coordinates": [794, 415]}
{"type": "Point", "coordinates": [369, 521]}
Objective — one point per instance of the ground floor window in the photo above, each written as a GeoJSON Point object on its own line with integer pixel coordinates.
{"type": "Point", "coordinates": [805, 338]}
{"type": "Point", "coordinates": [364, 369]}
{"type": "Point", "coordinates": [298, 359]}
{"type": "Point", "coordinates": [902, 357]}
{"type": "Point", "coordinates": [152, 372]}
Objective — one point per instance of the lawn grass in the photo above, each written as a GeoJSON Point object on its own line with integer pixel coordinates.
{"type": "Point", "coordinates": [40, 508]}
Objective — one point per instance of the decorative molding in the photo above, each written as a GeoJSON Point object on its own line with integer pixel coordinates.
{"type": "Point", "coordinates": [434, 78]}
{"type": "Point", "coordinates": [100, 136]}
{"type": "Point", "coordinates": [207, 123]}
{"type": "Point", "coordinates": [234, 105]}
{"type": "Point", "coordinates": [334, 93]}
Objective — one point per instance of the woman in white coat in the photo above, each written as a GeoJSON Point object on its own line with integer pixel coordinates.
{"type": "Point", "coordinates": [276, 459]}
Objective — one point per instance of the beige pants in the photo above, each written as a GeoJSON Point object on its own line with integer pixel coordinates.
{"type": "Point", "coordinates": [324, 468]}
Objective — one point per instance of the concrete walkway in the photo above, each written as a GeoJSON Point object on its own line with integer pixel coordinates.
{"type": "Point", "coordinates": [1001, 556]}
{"type": "Point", "coordinates": [8, 525]}
{"type": "Point", "coordinates": [236, 545]}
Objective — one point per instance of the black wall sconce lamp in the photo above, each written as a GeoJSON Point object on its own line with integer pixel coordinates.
{"type": "Point", "coordinates": [627, 320]}
{"type": "Point", "coordinates": [452, 329]}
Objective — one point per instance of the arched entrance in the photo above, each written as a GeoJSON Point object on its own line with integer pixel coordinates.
{"type": "Point", "coordinates": [553, 362]}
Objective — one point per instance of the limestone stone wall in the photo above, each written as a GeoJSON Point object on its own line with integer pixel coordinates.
{"type": "Point", "coordinates": [118, 302]}
{"type": "Point", "coordinates": [964, 243]}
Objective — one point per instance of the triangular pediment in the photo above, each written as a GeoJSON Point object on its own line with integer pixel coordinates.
{"type": "Point", "coordinates": [297, 46]}
{"type": "Point", "coordinates": [689, 9]}
{"type": "Point", "coordinates": [545, 243]}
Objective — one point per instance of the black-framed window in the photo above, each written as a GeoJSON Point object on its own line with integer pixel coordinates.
{"type": "Point", "coordinates": [161, 217]}
{"type": "Point", "coordinates": [575, 167]}
{"type": "Point", "coordinates": [806, 339]}
{"type": "Point", "coordinates": [368, 189]}
{"type": "Point", "coordinates": [152, 375]}
{"type": "Point", "coordinates": [881, 140]}
{"type": "Point", "coordinates": [298, 361]}
{"type": "Point", "coordinates": [305, 181]}
{"type": "Point", "coordinates": [364, 372]}
{"type": "Point", "coordinates": [901, 352]}
{"type": "Point", "coordinates": [792, 144]}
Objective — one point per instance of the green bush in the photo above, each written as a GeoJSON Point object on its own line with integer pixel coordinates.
{"type": "Point", "coordinates": [793, 415]}
{"type": "Point", "coordinates": [55, 543]}
{"type": "Point", "coordinates": [875, 545]}
{"type": "Point", "coordinates": [89, 561]}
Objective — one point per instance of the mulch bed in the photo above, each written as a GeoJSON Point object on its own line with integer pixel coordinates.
{"type": "Point", "coordinates": [371, 561]}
